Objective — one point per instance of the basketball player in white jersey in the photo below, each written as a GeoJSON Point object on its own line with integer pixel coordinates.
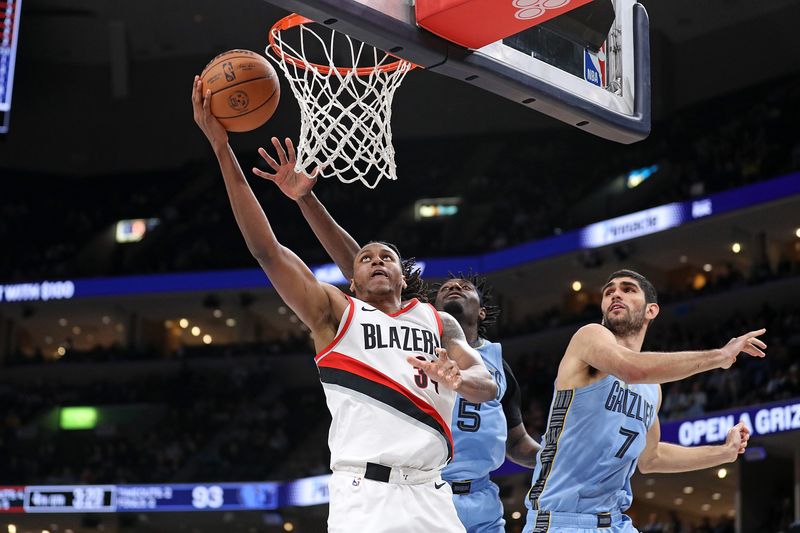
{"type": "Point", "coordinates": [484, 434]}
{"type": "Point", "coordinates": [390, 372]}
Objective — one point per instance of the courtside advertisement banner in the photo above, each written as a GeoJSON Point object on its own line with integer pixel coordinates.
{"type": "Point", "coordinates": [712, 428]}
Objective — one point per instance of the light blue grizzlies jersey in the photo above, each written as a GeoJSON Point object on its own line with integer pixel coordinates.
{"type": "Point", "coordinates": [479, 429]}
{"type": "Point", "coordinates": [593, 440]}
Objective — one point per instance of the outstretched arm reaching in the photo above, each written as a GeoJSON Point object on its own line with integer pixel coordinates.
{"type": "Point", "coordinates": [662, 457]}
{"type": "Point", "coordinates": [341, 247]}
{"type": "Point", "coordinates": [595, 346]}
{"type": "Point", "coordinates": [318, 305]}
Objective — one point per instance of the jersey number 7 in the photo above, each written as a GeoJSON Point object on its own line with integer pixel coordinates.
{"type": "Point", "coordinates": [630, 436]}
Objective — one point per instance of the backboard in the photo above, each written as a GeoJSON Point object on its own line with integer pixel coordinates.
{"type": "Point", "coordinates": [611, 98]}
{"type": "Point", "coordinates": [604, 91]}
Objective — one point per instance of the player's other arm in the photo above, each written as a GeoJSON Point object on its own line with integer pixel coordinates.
{"type": "Point", "coordinates": [662, 457]}
{"type": "Point", "coordinates": [294, 282]}
{"type": "Point", "coordinates": [458, 367]}
{"type": "Point", "coordinates": [341, 247]}
{"type": "Point", "coordinates": [597, 347]}
{"type": "Point", "coordinates": [520, 447]}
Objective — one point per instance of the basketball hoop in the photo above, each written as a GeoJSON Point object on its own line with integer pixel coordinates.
{"type": "Point", "coordinates": [346, 112]}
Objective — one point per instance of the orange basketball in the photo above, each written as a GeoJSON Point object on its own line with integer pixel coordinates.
{"type": "Point", "coordinates": [244, 89]}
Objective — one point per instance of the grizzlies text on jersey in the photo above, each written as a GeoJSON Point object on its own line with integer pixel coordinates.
{"type": "Point", "coordinates": [593, 440]}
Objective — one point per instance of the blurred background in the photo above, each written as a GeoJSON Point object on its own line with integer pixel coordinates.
{"type": "Point", "coordinates": [140, 345]}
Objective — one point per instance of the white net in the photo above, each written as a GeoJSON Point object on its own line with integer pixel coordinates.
{"type": "Point", "coordinates": [346, 111]}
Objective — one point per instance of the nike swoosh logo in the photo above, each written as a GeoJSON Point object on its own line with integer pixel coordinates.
{"type": "Point", "coordinates": [438, 486]}
{"type": "Point", "coordinates": [367, 309]}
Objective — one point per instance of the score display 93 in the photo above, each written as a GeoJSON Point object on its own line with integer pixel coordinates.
{"type": "Point", "coordinates": [132, 498]}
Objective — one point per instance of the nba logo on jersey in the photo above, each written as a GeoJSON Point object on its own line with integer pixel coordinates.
{"type": "Point", "coordinates": [594, 66]}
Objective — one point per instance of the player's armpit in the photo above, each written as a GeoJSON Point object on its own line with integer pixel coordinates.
{"type": "Point", "coordinates": [318, 305]}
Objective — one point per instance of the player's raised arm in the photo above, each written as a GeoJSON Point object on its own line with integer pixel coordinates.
{"type": "Point", "coordinates": [341, 247]}
{"type": "Point", "coordinates": [663, 457]}
{"type": "Point", "coordinates": [319, 306]}
{"type": "Point", "coordinates": [459, 366]}
{"type": "Point", "coordinates": [597, 347]}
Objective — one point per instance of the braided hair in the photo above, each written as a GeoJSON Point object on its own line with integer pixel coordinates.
{"type": "Point", "coordinates": [485, 296]}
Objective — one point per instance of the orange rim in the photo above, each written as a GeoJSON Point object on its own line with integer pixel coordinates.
{"type": "Point", "coordinates": [294, 20]}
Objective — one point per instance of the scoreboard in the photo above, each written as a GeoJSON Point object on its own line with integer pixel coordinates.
{"type": "Point", "coordinates": [9, 30]}
{"type": "Point", "coordinates": [264, 496]}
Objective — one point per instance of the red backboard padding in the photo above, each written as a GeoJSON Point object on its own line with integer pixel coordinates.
{"type": "Point", "coordinates": [476, 23]}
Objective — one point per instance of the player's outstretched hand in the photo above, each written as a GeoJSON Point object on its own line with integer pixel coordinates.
{"type": "Point", "coordinates": [293, 184]}
{"type": "Point", "coordinates": [215, 132]}
{"type": "Point", "coordinates": [444, 370]}
{"type": "Point", "coordinates": [737, 439]}
{"type": "Point", "coordinates": [748, 343]}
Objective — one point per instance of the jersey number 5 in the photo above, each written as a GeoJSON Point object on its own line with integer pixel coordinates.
{"type": "Point", "coordinates": [468, 420]}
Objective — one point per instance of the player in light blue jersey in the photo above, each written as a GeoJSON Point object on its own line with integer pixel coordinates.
{"type": "Point", "coordinates": [483, 433]}
{"type": "Point", "coordinates": [603, 420]}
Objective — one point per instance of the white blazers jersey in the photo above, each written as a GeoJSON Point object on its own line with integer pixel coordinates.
{"type": "Point", "coordinates": [384, 410]}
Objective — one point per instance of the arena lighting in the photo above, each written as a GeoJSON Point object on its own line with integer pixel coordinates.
{"type": "Point", "coordinates": [230, 322]}
{"type": "Point", "coordinates": [207, 339]}
{"type": "Point", "coordinates": [576, 286]}
{"type": "Point", "coordinates": [706, 507]}
{"type": "Point", "coordinates": [183, 323]}
{"type": "Point", "coordinates": [12, 528]}
{"type": "Point", "coordinates": [797, 233]}
{"type": "Point", "coordinates": [722, 473]}
{"type": "Point", "coordinates": [195, 331]}
{"type": "Point", "coordinates": [640, 175]}
{"type": "Point", "coordinates": [649, 494]}
{"type": "Point", "coordinates": [288, 526]}
{"type": "Point", "coordinates": [707, 267]}
{"type": "Point", "coordinates": [436, 207]}
{"type": "Point", "coordinates": [736, 247]}
{"type": "Point", "coordinates": [71, 418]}
{"type": "Point", "coordinates": [678, 501]}
{"type": "Point", "coordinates": [62, 322]}
{"type": "Point", "coordinates": [716, 496]}
{"type": "Point", "coordinates": [134, 230]}
{"type": "Point", "coordinates": [217, 313]}
{"type": "Point", "coordinates": [688, 490]}
{"type": "Point", "coordinates": [699, 281]}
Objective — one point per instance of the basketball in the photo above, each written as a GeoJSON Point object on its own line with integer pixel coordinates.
{"type": "Point", "coordinates": [244, 89]}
